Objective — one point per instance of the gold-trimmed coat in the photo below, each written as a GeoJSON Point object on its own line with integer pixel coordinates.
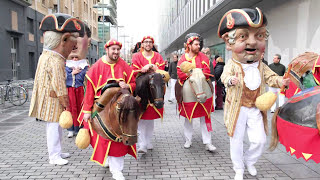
{"type": "Point", "coordinates": [49, 94]}
{"type": "Point", "coordinates": [234, 93]}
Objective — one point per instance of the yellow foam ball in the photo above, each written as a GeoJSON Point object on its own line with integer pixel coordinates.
{"type": "Point", "coordinates": [165, 74]}
{"type": "Point", "coordinates": [186, 66]}
{"type": "Point", "coordinates": [65, 120]}
{"type": "Point", "coordinates": [265, 101]}
{"type": "Point", "coordinates": [83, 139]}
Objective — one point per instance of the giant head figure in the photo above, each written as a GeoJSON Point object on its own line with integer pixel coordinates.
{"type": "Point", "coordinates": [61, 32]}
{"type": "Point", "coordinates": [83, 44]}
{"type": "Point", "coordinates": [244, 32]}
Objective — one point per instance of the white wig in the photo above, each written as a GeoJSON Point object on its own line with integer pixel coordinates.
{"type": "Point", "coordinates": [51, 39]}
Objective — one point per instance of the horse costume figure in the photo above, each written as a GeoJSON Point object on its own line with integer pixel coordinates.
{"type": "Point", "coordinates": [118, 119]}
{"type": "Point", "coordinates": [116, 115]}
{"type": "Point", "coordinates": [196, 92]}
{"type": "Point", "coordinates": [297, 123]}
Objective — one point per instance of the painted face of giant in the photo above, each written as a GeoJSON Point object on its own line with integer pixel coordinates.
{"type": "Point", "coordinates": [82, 48]}
{"type": "Point", "coordinates": [248, 45]}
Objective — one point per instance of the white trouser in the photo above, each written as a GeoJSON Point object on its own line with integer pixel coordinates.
{"type": "Point", "coordinates": [54, 139]}
{"type": "Point", "coordinates": [188, 130]}
{"type": "Point", "coordinates": [115, 163]}
{"type": "Point", "coordinates": [145, 131]}
{"type": "Point", "coordinates": [280, 98]}
{"type": "Point", "coordinates": [172, 90]}
{"type": "Point", "coordinates": [250, 119]}
{"type": "Point", "coordinates": [214, 93]}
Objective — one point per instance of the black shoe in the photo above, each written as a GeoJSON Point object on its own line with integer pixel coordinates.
{"type": "Point", "coordinates": [217, 108]}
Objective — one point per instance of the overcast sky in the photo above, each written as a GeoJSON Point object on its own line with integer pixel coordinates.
{"type": "Point", "coordinates": [139, 18]}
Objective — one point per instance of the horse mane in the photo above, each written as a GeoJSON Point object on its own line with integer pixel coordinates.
{"type": "Point", "coordinates": [142, 89]}
{"type": "Point", "coordinates": [274, 132]}
{"type": "Point", "coordinates": [129, 103]}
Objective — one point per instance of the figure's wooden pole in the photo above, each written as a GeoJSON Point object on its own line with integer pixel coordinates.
{"type": "Point", "coordinates": [286, 75]}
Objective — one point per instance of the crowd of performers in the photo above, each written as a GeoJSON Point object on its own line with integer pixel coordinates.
{"type": "Point", "coordinates": [65, 81]}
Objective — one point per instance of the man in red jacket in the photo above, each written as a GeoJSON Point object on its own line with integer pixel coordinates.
{"type": "Point", "coordinates": [191, 110]}
{"type": "Point", "coordinates": [143, 61]}
{"type": "Point", "coordinates": [108, 69]}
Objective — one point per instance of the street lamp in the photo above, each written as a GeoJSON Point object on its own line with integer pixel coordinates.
{"type": "Point", "coordinates": [124, 43]}
{"type": "Point", "coordinates": [117, 30]}
{"type": "Point", "coordinates": [103, 6]}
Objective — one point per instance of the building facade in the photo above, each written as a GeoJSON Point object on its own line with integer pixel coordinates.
{"type": "Point", "coordinates": [293, 25]}
{"type": "Point", "coordinates": [21, 41]}
{"type": "Point", "coordinates": [107, 14]}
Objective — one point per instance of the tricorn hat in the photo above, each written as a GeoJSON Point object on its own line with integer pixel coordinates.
{"type": "Point", "coordinates": [241, 18]}
{"type": "Point", "coordinates": [63, 23]}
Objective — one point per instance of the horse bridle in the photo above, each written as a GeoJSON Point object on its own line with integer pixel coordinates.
{"type": "Point", "coordinates": [120, 125]}
{"type": "Point", "coordinates": [152, 95]}
{"type": "Point", "coordinates": [193, 91]}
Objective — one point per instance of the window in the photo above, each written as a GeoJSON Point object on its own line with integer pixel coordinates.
{"type": "Point", "coordinates": [30, 25]}
{"type": "Point", "coordinates": [55, 8]}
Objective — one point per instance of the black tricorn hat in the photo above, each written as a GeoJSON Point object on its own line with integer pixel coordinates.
{"type": "Point", "coordinates": [196, 35]}
{"type": "Point", "coordinates": [63, 23]}
{"type": "Point", "coordinates": [241, 18]}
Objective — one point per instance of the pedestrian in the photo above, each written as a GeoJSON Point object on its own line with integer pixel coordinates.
{"type": "Point", "coordinates": [166, 65]}
{"type": "Point", "coordinates": [219, 87]}
{"type": "Point", "coordinates": [76, 68]}
{"type": "Point", "coordinates": [280, 69]}
{"type": "Point", "coordinates": [244, 32]}
{"type": "Point", "coordinates": [200, 60]}
{"type": "Point", "coordinates": [173, 77]}
{"type": "Point", "coordinates": [212, 64]}
{"type": "Point", "coordinates": [109, 68]}
{"type": "Point", "coordinates": [143, 61]}
{"type": "Point", "coordinates": [50, 95]}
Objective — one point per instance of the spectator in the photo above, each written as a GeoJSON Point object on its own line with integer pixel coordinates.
{"type": "Point", "coordinates": [173, 76]}
{"type": "Point", "coordinates": [220, 87]}
{"type": "Point", "coordinates": [280, 69]}
{"type": "Point", "coordinates": [212, 64]}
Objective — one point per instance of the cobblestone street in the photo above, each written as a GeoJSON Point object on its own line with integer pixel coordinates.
{"type": "Point", "coordinates": [24, 154]}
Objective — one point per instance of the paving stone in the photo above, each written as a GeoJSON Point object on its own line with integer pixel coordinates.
{"type": "Point", "coordinates": [24, 154]}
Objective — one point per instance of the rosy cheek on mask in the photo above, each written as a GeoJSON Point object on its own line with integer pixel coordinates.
{"type": "Point", "coordinates": [84, 43]}
{"type": "Point", "coordinates": [239, 47]}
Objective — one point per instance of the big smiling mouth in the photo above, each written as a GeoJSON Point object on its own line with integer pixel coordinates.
{"type": "Point", "coordinates": [250, 50]}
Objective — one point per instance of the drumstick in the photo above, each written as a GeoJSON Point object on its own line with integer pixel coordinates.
{"type": "Point", "coordinates": [286, 75]}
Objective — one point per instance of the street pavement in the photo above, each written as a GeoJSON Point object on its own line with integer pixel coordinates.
{"type": "Point", "coordinates": [23, 153]}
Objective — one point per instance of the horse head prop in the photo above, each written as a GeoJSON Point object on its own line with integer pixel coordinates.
{"type": "Point", "coordinates": [150, 87]}
{"type": "Point", "coordinates": [302, 69]}
{"type": "Point", "coordinates": [117, 116]}
{"type": "Point", "coordinates": [196, 88]}
{"type": "Point", "coordinates": [296, 124]}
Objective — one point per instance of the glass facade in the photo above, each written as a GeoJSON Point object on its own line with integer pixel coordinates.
{"type": "Point", "coordinates": [104, 36]}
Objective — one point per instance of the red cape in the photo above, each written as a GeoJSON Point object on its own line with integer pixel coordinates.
{"type": "Point", "coordinates": [299, 140]}
{"type": "Point", "coordinates": [195, 109]}
{"type": "Point", "coordinates": [100, 74]}
{"type": "Point", "coordinates": [102, 148]}
{"type": "Point", "coordinates": [200, 60]}
{"type": "Point", "coordinates": [138, 62]}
